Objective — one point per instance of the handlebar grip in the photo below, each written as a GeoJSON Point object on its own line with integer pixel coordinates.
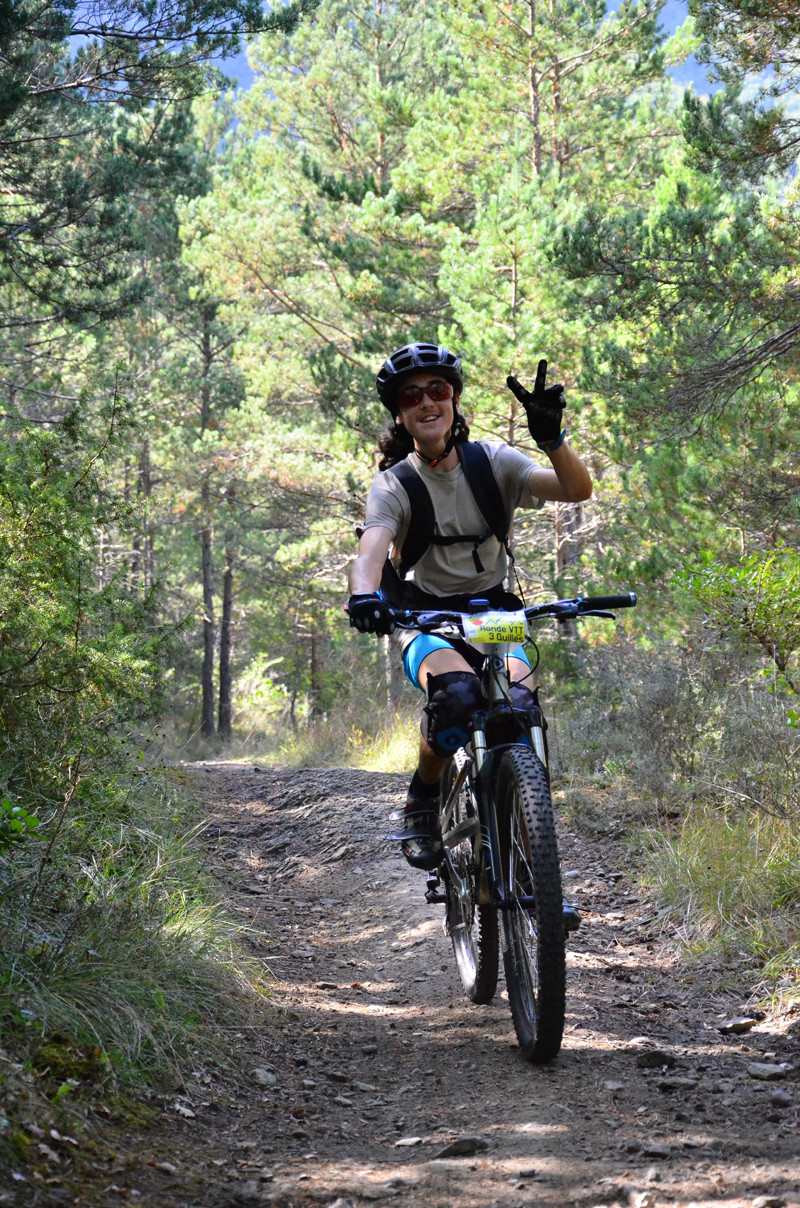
{"type": "Point", "coordinates": [626, 601]}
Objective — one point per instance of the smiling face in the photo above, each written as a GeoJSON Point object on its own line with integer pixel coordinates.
{"type": "Point", "coordinates": [428, 420]}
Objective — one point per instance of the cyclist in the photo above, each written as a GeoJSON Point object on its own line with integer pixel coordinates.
{"type": "Point", "coordinates": [421, 386]}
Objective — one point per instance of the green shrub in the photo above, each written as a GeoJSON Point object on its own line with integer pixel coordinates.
{"type": "Point", "coordinates": [16, 825]}
{"type": "Point", "coordinates": [80, 660]}
{"type": "Point", "coordinates": [757, 599]}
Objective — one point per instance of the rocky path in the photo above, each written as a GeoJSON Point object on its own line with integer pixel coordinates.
{"type": "Point", "coordinates": [378, 1083]}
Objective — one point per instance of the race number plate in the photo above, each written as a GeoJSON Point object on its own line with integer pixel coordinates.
{"type": "Point", "coordinates": [491, 627]}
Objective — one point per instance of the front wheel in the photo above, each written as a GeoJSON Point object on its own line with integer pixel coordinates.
{"type": "Point", "coordinates": [533, 921]}
{"type": "Point", "coordinates": [472, 927]}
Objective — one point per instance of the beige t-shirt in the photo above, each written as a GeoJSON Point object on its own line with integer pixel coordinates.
{"type": "Point", "coordinates": [447, 570]}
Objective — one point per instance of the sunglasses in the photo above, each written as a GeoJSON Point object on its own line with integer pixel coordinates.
{"type": "Point", "coordinates": [437, 390]}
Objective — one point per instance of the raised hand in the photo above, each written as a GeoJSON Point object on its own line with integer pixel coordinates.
{"type": "Point", "coordinates": [543, 406]}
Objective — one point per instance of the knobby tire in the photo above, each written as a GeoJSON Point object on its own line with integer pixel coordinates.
{"type": "Point", "coordinates": [534, 954]}
{"type": "Point", "coordinates": [473, 928]}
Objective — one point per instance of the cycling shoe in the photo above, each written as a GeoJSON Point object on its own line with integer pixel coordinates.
{"type": "Point", "coordinates": [421, 838]}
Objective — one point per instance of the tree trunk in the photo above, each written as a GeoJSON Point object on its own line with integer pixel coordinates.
{"type": "Point", "coordinates": [315, 686]}
{"type": "Point", "coordinates": [559, 144]}
{"type": "Point", "coordinates": [100, 565]}
{"type": "Point", "coordinates": [206, 539]}
{"type": "Point", "coordinates": [207, 678]}
{"type": "Point", "coordinates": [225, 636]}
{"type": "Point", "coordinates": [569, 522]}
{"type": "Point", "coordinates": [295, 685]}
{"type": "Point", "coordinates": [145, 490]}
{"type": "Point", "coordinates": [132, 562]}
{"type": "Point", "coordinates": [391, 671]}
{"type": "Point", "coordinates": [533, 92]}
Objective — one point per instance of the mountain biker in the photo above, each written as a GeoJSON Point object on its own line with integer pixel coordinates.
{"type": "Point", "coordinates": [421, 386]}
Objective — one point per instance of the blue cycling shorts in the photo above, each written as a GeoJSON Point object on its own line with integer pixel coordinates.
{"type": "Point", "coordinates": [425, 643]}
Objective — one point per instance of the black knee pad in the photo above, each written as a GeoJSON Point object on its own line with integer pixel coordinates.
{"type": "Point", "coordinates": [452, 699]}
{"type": "Point", "coordinates": [521, 697]}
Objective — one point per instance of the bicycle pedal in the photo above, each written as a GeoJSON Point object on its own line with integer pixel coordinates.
{"type": "Point", "coordinates": [433, 892]}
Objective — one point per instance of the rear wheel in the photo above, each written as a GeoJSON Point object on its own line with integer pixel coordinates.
{"type": "Point", "coordinates": [472, 927]}
{"type": "Point", "coordinates": [534, 957]}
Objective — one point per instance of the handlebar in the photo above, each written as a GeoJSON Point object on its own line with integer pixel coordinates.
{"type": "Point", "coordinates": [562, 610]}
{"type": "Point", "coordinates": [581, 606]}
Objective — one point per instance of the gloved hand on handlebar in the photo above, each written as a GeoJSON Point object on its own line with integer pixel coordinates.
{"type": "Point", "coordinates": [370, 613]}
{"type": "Point", "coordinates": [543, 407]}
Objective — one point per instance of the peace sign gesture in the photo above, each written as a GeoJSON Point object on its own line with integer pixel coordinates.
{"type": "Point", "coordinates": [543, 405]}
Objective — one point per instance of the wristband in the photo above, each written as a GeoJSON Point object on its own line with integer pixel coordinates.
{"type": "Point", "coordinates": [550, 446]}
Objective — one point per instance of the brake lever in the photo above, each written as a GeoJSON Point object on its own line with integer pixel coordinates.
{"type": "Point", "coordinates": [610, 616]}
{"type": "Point", "coordinates": [568, 613]}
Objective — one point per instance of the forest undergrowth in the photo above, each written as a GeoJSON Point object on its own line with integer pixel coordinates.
{"type": "Point", "coordinates": [121, 967]}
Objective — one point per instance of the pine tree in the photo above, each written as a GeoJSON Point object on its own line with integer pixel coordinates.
{"type": "Point", "coordinates": [698, 286]}
{"type": "Point", "coordinates": [93, 110]}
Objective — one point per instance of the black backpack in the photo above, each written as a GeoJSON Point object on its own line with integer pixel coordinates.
{"type": "Point", "coordinates": [422, 529]}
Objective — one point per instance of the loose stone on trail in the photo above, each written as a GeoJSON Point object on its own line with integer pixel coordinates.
{"type": "Point", "coordinates": [250, 1192]}
{"type": "Point", "coordinates": [264, 1077]}
{"type": "Point", "coordinates": [655, 1059]}
{"type": "Point", "coordinates": [762, 1071]}
{"type": "Point", "coordinates": [463, 1147]}
{"type": "Point", "coordinates": [655, 1149]}
{"type": "Point", "coordinates": [676, 1084]}
{"type": "Point", "coordinates": [741, 1023]}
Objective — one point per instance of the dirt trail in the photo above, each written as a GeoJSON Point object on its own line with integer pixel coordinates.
{"type": "Point", "coordinates": [377, 1063]}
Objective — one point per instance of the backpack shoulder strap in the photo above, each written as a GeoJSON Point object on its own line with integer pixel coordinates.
{"type": "Point", "coordinates": [423, 521]}
{"type": "Point", "coordinates": [479, 474]}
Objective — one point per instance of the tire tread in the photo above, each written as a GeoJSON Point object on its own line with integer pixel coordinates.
{"type": "Point", "coordinates": [539, 1026]}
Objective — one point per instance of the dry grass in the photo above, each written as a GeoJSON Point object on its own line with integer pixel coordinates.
{"type": "Point", "coordinates": [732, 886]}
{"type": "Point", "coordinates": [123, 945]}
{"type": "Point", "coordinates": [374, 738]}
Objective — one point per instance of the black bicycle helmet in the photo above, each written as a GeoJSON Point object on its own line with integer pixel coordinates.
{"type": "Point", "coordinates": [412, 358]}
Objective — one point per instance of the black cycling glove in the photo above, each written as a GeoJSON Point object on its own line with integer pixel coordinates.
{"type": "Point", "coordinates": [370, 613]}
{"type": "Point", "coordinates": [543, 407]}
